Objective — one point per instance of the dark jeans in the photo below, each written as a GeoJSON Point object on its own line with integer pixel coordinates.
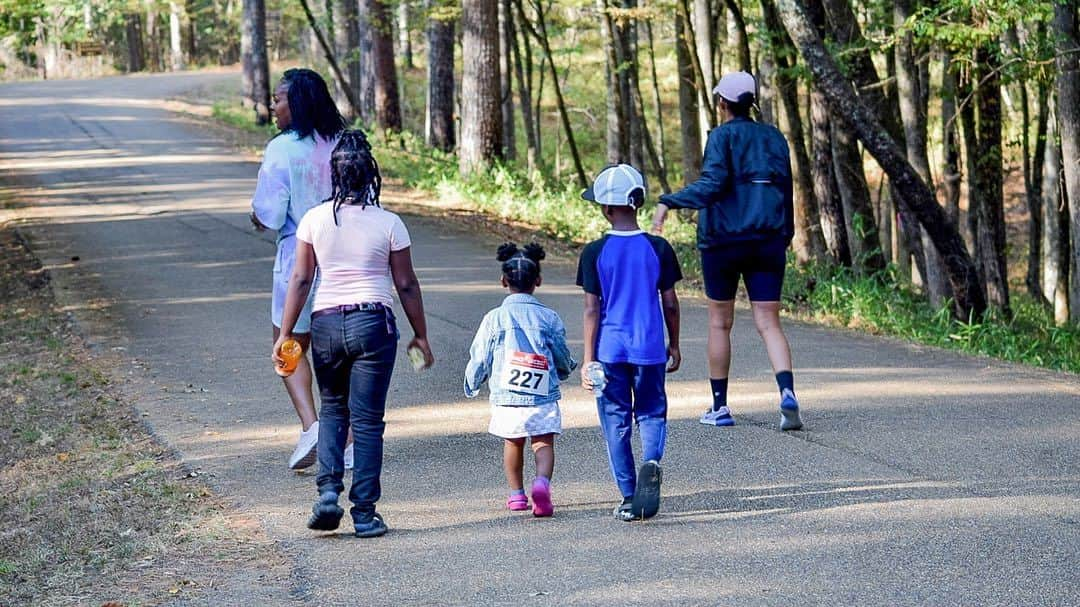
{"type": "Point", "coordinates": [633, 393]}
{"type": "Point", "coordinates": [354, 356]}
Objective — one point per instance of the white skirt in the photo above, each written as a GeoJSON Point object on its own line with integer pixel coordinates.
{"type": "Point", "coordinates": [518, 422]}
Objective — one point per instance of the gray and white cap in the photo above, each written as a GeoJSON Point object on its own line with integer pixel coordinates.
{"type": "Point", "coordinates": [734, 85]}
{"type": "Point", "coordinates": [614, 185]}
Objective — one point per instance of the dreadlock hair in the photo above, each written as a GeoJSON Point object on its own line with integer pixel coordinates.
{"type": "Point", "coordinates": [354, 174]}
{"type": "Point", "coordinates": [521, 267]}
{"type": "Point", "coordinates": [311, 106]}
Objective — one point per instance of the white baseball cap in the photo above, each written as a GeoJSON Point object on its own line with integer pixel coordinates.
{"type": "Point", "coordinates": [614, 185]}
{"type": "Point", "coordinates": [734, 85]}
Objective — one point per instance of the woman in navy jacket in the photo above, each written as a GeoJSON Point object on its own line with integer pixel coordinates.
{"type": "Point", "coordinates": [745, 224]}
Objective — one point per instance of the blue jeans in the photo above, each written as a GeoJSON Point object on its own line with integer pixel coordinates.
{"type": "Point", "coordinates": [353, 354]}
{"type": "Point", "coordinates": [633, 393]}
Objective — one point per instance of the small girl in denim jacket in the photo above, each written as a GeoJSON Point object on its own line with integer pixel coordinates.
{"type": "Point", "coordinates": [521, 347]}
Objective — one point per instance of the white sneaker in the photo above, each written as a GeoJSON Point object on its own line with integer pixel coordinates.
{"type": "Point", "coordinates": [348, 457]}
{"type": "Point", "coordinates": [305, 454]}
{"type": "Point", "coordinates": [719, 417]}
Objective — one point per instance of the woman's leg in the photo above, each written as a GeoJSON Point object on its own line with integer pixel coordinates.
{"type": "Point", "coordinates": [767, 321]}
{"type": "Point", "coordinates": [721, 319]}
{"type": "Point", "coordinates": [513, 462]}
{"type": "Point", "coordinates": [298, 385]}
{"type": "Point", "coordinates": [543, 447]}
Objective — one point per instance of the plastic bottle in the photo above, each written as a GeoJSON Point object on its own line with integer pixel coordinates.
{"type": "Point", "coordinates": [595, 371]}
{"type": "Point", "coordinates": [416, 357]}
{"type": "Point", "coordinates": [290, 353]}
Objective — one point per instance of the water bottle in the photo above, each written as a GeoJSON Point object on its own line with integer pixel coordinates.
{"type": "Point", "coordinates": [595, 372]}
{"type": "Point", "coordinates": [290, 353]}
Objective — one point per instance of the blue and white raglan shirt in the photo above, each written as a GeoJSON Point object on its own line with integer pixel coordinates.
{"type": "Point", "coordinates": [628, 271]}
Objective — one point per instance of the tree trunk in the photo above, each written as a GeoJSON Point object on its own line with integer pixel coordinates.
{"type": "Point", "coordinates": [346, 51]}
{"type": "Point", "coordinates": [525, 97]}
{"type": "Point", "coordinates": [439, 121]}
{"type": "Point", "coordinates": [862, 231]}
{"type": "Point", "coordinates": [834, 230]}
{"type": "Point", "coordinates": [1067, 32]}
{"type": "Point", "coordinates": [256, 65]}
{"type": "Point", "coordinates": [912, 97]}
{"type": "Point", "coordinates": [704, 41]}
{"type": "Point", "coordinates": [154, 41]}
{"type": "Point", "coordinates": [661, 143]}
{"type": "Point", "coordinates": [328, 52]}
{"type": "Point", "coordinates": [1034, 178]}
{"type": "Point", "coordinates": [964, 91]}
{"type": "Point", "coordinates": [950, 170]}
{"type": "Point", "coordinates": [617, 143]}
{"type": "Point", "coordinates": [742, 41]}
{"type": "Point", "coordinates": [688, 106]}
{"type": "Point", "coordinates": [540, 34]}
{"type": "Point", "coordinates": [699, 75]}
{"type": "Point", "coordinates": [136, 55]}
{"type": "Point", "coordinates": [1055, 233]}
{"type": "Point", "coordinates": [989, 173]}
{"type": "Point", "coordinates": [176, 44]}
{"type": "Point", "coordinates": [365, 24]}
{"type": "Point", "coordinates": [808, 242]}
{"type": "Point", "coordinates": [387, 98]}
{"type": "Point", "coordinates": [627, 45]}
{"type": "Point", "coordinates": [481, 118]}
{"type": "Point", "coordinates": [846, 105]}
{"type": "Point", "coordinates": [404, 37]}
{"type": "Point", "coordinates": [506, 72]}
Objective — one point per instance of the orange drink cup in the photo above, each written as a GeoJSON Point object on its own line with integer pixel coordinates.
{"type": "Point", "coordinates": [290, 353]}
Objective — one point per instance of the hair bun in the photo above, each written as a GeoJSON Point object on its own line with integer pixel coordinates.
{"type": "Point", "coordinates": [535, 252]}
{"type": "Point", "coordinates": [506, 251]}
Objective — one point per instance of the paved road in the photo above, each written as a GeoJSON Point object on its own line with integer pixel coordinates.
{"type": "Point", "coordinates": [923, 478]}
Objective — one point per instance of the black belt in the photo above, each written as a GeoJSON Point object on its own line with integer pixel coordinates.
{"type": "Point", "coordinates": [373, 306]}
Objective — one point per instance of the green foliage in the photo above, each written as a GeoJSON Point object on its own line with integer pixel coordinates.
{"type": "Point", "coordinates": [882, 304]}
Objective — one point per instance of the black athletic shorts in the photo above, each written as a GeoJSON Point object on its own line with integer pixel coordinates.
{"type": "Point", "coordinates": [761, 264]}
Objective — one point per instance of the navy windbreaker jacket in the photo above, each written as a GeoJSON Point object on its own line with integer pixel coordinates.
{"type": "Point", "coordinates": [745, 188]}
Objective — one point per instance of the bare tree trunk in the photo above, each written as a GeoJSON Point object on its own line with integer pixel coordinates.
{"type": "Point", "coordinates": [618, 147]}
{"type": "Point", "coordinates": [506, 71]}
{"type": "Point", "coordinates": [834, 230]}
{"type": "Point", "coordinates": [365, 23]}
{"type": "Point", "coordinates": [1055, 233]}
{"type": "Point", "coordinates": [176, 45]}
{"type": "Point", "coordinates": [256, 65]}
{"type": "Point", "coordinates": [324, 44]}
{"type": "Point", "coordinates": [808, 242]}
{"type": "Point", "coordinates": [154, 41]}
{"type": "Point", "coordinates": [911, 91]}
{"type": "Point", "coordinates": [136, 55]}
{"type": "Point", "coordinates": [688, 106]}
{"type": "Point", "coordinates": [862, 231]}
{"type": "Point", "coordinates": [628, 69]}
{"type": "Point", "coordinates": [950, 171]}
{"type": "Point", "coordinates": [842, 99]}
{"type": "Point", "coordinates": [404, 37]}
{"type": "Point", "coordinates": [704, 40]}
{"type": "Point", "coordinates": [525, 97]}
{"type": "Point", "coordinates": [1067, 32]}
{"type": "Point", "coordinates": [661, 151]}
{"type": "Point", "coordinates": [704, 91]}
{"type": "Point", "coordinates": [1033, 164]}
{"type": "Point", "coordinates": [439, 123]}
{"type": "Point", "coordinates": [346, 51]}
{"type": "Point", "coordinates": [989, 174]}
{"type": "Point", "coordinates": [481, 118]}
{"type": "Point", "coordinates": [540, 34]}
{"type": "Point", "coordinates": [387, 97]}
{"type": "Point", "coordinates": [742, 41]}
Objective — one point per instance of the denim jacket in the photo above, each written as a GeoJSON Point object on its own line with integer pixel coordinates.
{"type": "Point", "coordinates": [520, 324]}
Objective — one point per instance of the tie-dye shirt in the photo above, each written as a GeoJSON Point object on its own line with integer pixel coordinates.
{"type": "Point", "coordinates": [293, 178]}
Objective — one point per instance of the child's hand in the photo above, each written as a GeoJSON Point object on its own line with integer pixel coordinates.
{"type": "Point", "coordinates": [425, 348]}
{"type": "Point", "coordinates": [586, 381]}
{"type": "Point", "coordinates": [258, 225]}
{"type": "Point", "coordinates": [674, 358]}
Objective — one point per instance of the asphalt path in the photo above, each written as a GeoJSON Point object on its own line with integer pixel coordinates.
{"type": "Point", "coordinates": [923, 477]}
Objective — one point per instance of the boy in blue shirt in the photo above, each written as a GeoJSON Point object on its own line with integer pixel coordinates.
{"type": "Point", "coordinates": [629, 280]}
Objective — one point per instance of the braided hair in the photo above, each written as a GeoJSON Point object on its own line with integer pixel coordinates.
{"type": "Point", "coordinates": [521, 267]}
{"type": "Point", "coordinates": [354, 173]}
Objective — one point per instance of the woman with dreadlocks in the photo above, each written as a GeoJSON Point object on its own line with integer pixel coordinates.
{"type": "Point", "coordinates": [294, 177]}
{"type": "Point", "coordinates": [521, 347]}
{"type": "Point", "coordinates": [362, 252]}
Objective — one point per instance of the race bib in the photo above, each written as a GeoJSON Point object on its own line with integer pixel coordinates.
{"type": "Point", "coordinates": [525, 372]}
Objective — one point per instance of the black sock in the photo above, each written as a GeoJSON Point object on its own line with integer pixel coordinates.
{"type": "Point", "coordinates": [719, 392]}
{"type": "Point", "coordinates": [785, 380]}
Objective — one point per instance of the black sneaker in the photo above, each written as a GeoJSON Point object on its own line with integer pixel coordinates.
{"type": "Point", "coordinates": [326, 514]}
{"type": "Point", "coordinates": [646, 501]}
{"type": "Point", "coordinates": [372, 527]}
{"type": "Point", "coordinates": [622, 511]}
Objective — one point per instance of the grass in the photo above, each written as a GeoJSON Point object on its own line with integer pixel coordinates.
{"type": "Point", "coordinates": [94, 509]}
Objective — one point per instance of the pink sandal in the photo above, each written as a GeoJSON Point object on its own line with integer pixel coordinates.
{"type": "Point", "coordinates": [517, 502]}
{"type": "Point", "coordinates": [541, 495]}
